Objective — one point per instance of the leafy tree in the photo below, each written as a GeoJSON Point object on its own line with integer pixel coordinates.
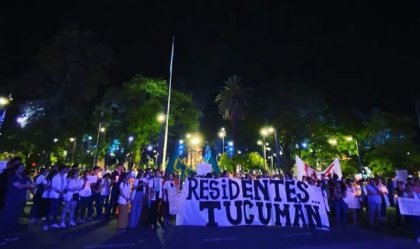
{"type": "Point", "coordinates": [132, 111]}
{"type": "Point", "coordinates": [247, 162]}
{"type": "Point", "coordinates": [389, 143]}
{"type": "Point", "coordinates": [232, 102]}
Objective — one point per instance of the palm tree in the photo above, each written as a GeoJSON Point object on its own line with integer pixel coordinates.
{"type": "Point", "coordinates": [232, 101]}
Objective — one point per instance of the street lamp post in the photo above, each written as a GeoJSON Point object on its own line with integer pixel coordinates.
{"type": "Point", "coordinates": [264, 133]}
{"type": "Point", "coordinates": [271, 129]}
{"type": "Point", "coordinates": [130, 140]}
{"type": "Point", "coordinates": [97, 143]}
{"type": "Point", "coordinates": [73, 140]}
{"type": "Point", "coordinates": [262, 143]}
{"type": "Point", "coordinates": [222, 135]}
{"type": "Point", "coordinates": [359, 159]}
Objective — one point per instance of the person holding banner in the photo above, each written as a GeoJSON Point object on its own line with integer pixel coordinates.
{"type": "Point", "coordinates": [398, 193]}
{"type": "Point", "coordinates": [414, 221]}
{"type": "Point", "coordinates": [170, 199]}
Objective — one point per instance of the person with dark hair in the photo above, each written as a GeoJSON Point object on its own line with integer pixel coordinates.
{"type": "Point", "coordinates": [71, 198]}
{"type": "Point", "coordinates": [105, 190]}
{"type": "Point", "coordinates": [17, 186]}
{"type": "Point", "coordinates": [115, 190]}
{"type": "Point", "coordinates": [123, 201]}
{"type": "Point", "coordinates": [137, 201]}
{"type": "Point", "coordinates": [340, 207]}
{"type": "Point", "coordinates": [374, 202]}
{"type": "Point", "coordinates": [58, 185]}
{"type": "Point", "coordinates": [4, 176]}
{"type": "Point", "coordinates": [398, 193]}
{"type": "Point", "coordinates": [39, 190]}
{"type": "Point", "coordinates": [155, 197]}
{"type": "Point", "coordinates": [85, 198]}
{"type": "Point", "coordinates": [170, 199]}
{"type": "Point", "coordinates": [45, 197]}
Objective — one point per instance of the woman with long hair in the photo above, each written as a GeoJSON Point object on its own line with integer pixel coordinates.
{"type": "Point", "coordinates": [71, 197]}
{"type": "Point", "coordinates": [123, 201]}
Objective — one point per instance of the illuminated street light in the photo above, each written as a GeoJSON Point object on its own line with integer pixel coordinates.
{"type": "Point", "coordinates": [161, 118]}
{"type": "Point", "coordinates": [194, 140]}
{"type": "Point", "coordinates": [332, 141]}
{"type": "Point", "coordinates": [3, 106]}
{"type": "Point", "coordinates": [265, 131]}
{"type": "Point", "coordinates": [4, 101]}
{"type": "Point", "coordinates": [130, 139]}
{"type": "Point", "coordinates": [222, 135]}
{"type": "Point", "coordinates": [55, 140]}
{"type": "Point", "coordinates": [103, 129]}
{"type": "Point", "coordinates": [73, 140]}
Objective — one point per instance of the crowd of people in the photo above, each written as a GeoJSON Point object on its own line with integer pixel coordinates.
{"type": "Point", "coordinates": [66, 196]}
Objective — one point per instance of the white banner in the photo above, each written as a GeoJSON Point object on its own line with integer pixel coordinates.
{"type": "Point", "coordinates": [303, 169]}
{"type": "Point", "coordinates": [230, 202]}
{"type": "Point", "coordinates": [409, 206]}
{"type": "Point", "coordinates": [401, 175]}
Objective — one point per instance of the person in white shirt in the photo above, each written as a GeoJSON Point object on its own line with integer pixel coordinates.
{"type": "Point", "coordinates": [105, 189]}
{"type": "Point", "coordinates": [374, 202]}
{"type": "Point", "coordinates": [71, 197]}
{"type": "Point", "coordinates": [170, 199]}
{"type": "Point", "coordinates": [85, 198]}
{"type": "Point", "coordinates": [155, 196]}
{"type": "Point", "coordinates": [123, 201]}
{"type": "Point", "coordinates": [39, 190]}
{"type": "Point", "coordinates": [58, 185]}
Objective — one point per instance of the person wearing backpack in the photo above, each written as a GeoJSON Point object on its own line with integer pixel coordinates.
{"type": "Point", "coordinates": [38, 191]}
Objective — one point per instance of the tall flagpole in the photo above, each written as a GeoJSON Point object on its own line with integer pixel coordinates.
{"type": "Point", "coordinates": [165, 143]}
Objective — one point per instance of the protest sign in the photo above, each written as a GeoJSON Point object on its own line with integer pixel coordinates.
{"type": "Point", "coordinates": [401, 175]}
{"type": "Point", "coordinates": [203, 169]}
{"type": "Point", "coordinates": [409, 206]}
{"type": "Point", "coordinates": [92, 179]}
{"type": "Point", "coordinates": [231, 202]}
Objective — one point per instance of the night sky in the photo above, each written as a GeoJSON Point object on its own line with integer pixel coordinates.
{"type": "Point", "coordinates": [361, 54]}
